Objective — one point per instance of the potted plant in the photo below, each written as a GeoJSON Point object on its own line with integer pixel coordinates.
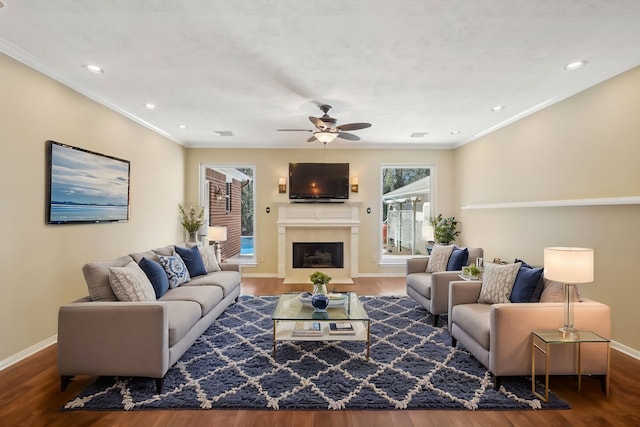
{"type": "Point", "coordinates": [471, 271]}
{"type": "Point", "coordinates": [444, 229]}
{"type": "Point", "coordinates": [191, 220]}
{"type": "Point", "coordinates": [320, 281]}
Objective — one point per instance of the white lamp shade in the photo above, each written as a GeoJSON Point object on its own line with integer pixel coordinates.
{"type": "Point", "coordinates": [354, 180]}
{"type": "Point", "coordinates": [218, 234]}
{"type": "Point", "coordinates": [282, 181]}
{"type": "Point", "coordinates": [568, 265]}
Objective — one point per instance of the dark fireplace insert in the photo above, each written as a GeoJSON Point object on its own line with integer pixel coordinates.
{"type": "Point", "coordinates": [318, 255]}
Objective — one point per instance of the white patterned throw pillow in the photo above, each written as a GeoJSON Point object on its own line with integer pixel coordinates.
{"type": "Point", "coordinates": [439, 258]}
{"type": "Point", "coordinates": [175, 268]}
{"type": "Point", "coordinates": [209, 257]}
{"type": "Point", "coordinates": [130, 283]}
{"type": "Point", "coordinates": [497, 282]}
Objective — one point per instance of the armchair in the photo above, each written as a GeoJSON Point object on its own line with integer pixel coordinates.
{"type": "Point", "coordinates": [499, 335]}
{"type": "Point", "coordinates": [431, 290]}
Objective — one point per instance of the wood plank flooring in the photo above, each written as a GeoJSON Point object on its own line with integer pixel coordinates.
{"type": "Point", "coordinates": [30, 394]}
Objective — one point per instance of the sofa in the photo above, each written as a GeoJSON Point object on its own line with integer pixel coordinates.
{"type": "Point", "coordinates": [431, 289]}
{"type": "Point", "coordinates": [499, 334]}
{"type": "Point", "coordinates": [122, 328]}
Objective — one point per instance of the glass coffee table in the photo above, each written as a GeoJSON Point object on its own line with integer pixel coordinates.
{"type": "Point", "coordinates": [292, 311]}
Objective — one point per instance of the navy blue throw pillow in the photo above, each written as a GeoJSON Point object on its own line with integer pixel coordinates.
{"type": "Point", "coordinates": [528, 285]}
{"type": "Point", "coordinates": [458, 259]}
{"type": "Point", "coordinates": [157, 276]}
{"type": "Point", "coordinates": [193, 260]}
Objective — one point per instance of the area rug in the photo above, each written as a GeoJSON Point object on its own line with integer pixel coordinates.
{"type": "Point", "coordinates": [231, 366]}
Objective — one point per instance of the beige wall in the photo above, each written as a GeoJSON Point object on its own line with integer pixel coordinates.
{"type": "Point", "coordinates": [584, 147]}
{"type": "Point", "coordinates": [366, 164]}
{"type": "Point", "coordinates": [41, 263]}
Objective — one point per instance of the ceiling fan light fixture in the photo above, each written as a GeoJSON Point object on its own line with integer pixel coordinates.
{"type": "Point", "coordinates": [325, 137]}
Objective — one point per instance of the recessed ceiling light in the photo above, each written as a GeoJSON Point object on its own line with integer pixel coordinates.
{"type": "Point", "coordinates": [150, 106]}
{"type": "Point", "coordinates": [454, 132]}
{"type": "Point", "coordinates": [182, 126]}
{"type": "Point", "coordinates": [94, 69]}
{"type": "Point", "coordinates": [498, 108]}
{"type": "Point", "coordinates": [575, 65]}
{"type": "Point", "coordinates": [419, 134]}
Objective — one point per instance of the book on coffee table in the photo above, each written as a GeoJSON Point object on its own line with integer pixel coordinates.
{"type": "Point", "coordinates": [341, 328]}
{"type": "Point", "coordinates": [307, 329]}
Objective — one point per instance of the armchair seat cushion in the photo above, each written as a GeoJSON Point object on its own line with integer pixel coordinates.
{"type": "Point", "coordinates": [474, 319]}
{"type": "Point", "coordinates": [421, 283]}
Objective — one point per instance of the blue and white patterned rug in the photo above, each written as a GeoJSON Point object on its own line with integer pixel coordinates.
{"type": "Point", "coordinates": [412, 366]}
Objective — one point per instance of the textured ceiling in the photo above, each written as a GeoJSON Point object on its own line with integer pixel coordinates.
{"type": "Point", "coordinates": [251, 67]}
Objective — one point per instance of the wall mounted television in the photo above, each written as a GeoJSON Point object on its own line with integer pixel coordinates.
{"type": "Point", "coordinates": [85, 187]}
{"type": "Point", "coordinates": [318, 181]}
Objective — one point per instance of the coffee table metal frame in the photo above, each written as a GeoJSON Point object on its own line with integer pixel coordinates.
{"type": "Point", "coordinates": [290, 310]}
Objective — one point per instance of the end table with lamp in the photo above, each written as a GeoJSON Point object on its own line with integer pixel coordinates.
{"type": "Point", "coordinates": [569, 266]}
{"type": "Point", "coordinates": [218, 235]}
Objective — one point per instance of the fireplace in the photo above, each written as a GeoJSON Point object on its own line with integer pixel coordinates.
{"type": "Point", "coordinates": [318, 255]}
{"type": "Point", "coordinates": [316, 224]}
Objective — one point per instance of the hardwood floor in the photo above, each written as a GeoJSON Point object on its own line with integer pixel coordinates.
{"type": "Point", "coordinates": [30, 394]}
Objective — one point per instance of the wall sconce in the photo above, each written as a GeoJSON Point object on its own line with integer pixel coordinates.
{"type": "Point", "coordinates": [282, 185]}
{"type": "Point", "coordinates": [218, 193]}
{"type": "Point", "coordinates": [354, 184]}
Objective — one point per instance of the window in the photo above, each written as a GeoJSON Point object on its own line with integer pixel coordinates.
{"type": "Point", "coordinates": [227, 193]}
{"type": "Point", "coordinates": [407, 194]}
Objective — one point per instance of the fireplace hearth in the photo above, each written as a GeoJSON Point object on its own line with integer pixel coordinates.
{"type": "Point", "coordinates": [318, 255]}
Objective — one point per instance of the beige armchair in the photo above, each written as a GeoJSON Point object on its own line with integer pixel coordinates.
{"type": "Point", "coordinates": [431, 290]}
{"type": "Point", "coordinates": [499, 335]}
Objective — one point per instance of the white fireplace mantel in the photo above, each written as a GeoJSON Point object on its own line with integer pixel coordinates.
{"type": "Point", "coordinates": [318, 222]}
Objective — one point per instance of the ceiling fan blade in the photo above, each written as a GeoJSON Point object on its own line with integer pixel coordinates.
{"type": "Point", "coordinates": [354, 126]}
{"type": "Point", "coordinates": [318, 123]}
{"type": "Point", "coordinates": [294, 130]}
{"type": "Point", "coordinates": [312, 139]}
{"type": "Point", "coordinates": [349, 136]}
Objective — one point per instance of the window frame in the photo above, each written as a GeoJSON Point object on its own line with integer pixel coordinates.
{"type": "Point", "coordinates": [394, 260]}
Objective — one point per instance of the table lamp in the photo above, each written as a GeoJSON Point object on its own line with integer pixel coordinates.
{"type": "Point", "coordinates": [569, 266]}
{"type": "Point", "coordinates": [218, 235]}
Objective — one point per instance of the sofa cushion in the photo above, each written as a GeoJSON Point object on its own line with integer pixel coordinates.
{"type": "Point", "coordinates": [207, 297]}
{"type": "Point", "coordinates": [439, 258]}
{"type": "Point", "coordinates": [475, 320]}
{"type": "Point", "coordinates": [192, 259]}
{"type": "Point", "coordinates": [156, 274]}
{"type": "Point", "coordinates": [554, 292]}
{"type": "Point", "coordinates": [175, 268]}
{"type": "Point", "coordinates": [528, 284]}
{"type": "Point", "coordinates": [165, 250]}
{"type": "Point", "coordinates": [96, 275]}
{"type": "Point", "coordinates": [497, 282]}
{"type": "Point", "coordinates": [227, 280]}
{"type": "Point", "coordinates": [182, 315]}
{"type": "Point", "coordinates": [421, 283]}
{"type": "Point", "coordinates": [208, 254]}
{"type": "Point", "coordinates": [130, 283]}
{"type": "Point", "coordinates": [137, 256]}
{"type": "Point", "coordinates": [458, 259]}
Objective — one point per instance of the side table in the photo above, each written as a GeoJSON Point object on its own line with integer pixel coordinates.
{"type": "Point", "coordinates": [543, 340]}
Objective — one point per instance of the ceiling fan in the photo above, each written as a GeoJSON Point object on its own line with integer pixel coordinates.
{"type": "Point", "coordinates": [327, 128]}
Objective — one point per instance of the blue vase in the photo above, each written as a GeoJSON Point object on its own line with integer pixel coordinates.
{"type": "Point", "coordinates": [320, 302]}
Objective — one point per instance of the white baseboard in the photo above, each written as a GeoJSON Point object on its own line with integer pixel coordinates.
{"type": "Point", "coordinates": [27, 352]}
{"type": "Point", "coordinates": [626, 350]}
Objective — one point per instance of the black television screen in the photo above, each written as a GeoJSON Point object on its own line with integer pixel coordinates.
{"type": "Point", "coordinates": [85, 187]}
{"type": "Point", "coordinates": [309, 181]}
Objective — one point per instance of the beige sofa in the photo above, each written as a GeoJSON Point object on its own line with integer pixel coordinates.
{"type": "Point", "coordinates": [101, 336]}
{"type": "Point", "coordinates": [499, 335]}
{"type": "Point", "coordinates": [431, 290]}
